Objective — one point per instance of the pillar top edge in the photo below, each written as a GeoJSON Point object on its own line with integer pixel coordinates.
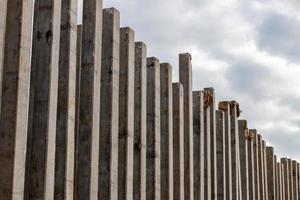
{"type": "Point", "coordinates": [166, 64]}
{"type": "Point", "coordinates": [186, 54]}
{"type": "Point", "coordinates": [111, 10]}
{"type": "Point", "coordinates": [128, 29]}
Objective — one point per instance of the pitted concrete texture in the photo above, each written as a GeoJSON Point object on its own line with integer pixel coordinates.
{"type": "Point", "coordinates": [153, 130]}
{"type": "Point", "coordinates": [178, 141]}
{"type": "Point", "coordinates": [271, 173]}
{"type": "Point", "coordinates": [221, 152]}
{"type": "Point", "coordinates": [207, 152]}
{"type": "Point", "coordinates": [295, 174]}
{"type": "Point", "coordinates": [40, 162]}
{"type": "Point", "coordinates": [15, 66]}
{"type": "Point", "coordinates": [185, 77]}
{"type": "Point", "coordinates": [109, 111]}
{"type": "Point", "coordinates": [243, 131]}
{"type": "Point", "coordinates": [140, 109]}
{"type": "Point", "coordinates": [198, 156]}
{"type": "Point", "coordinates": [126, 114]}
{"type": "Point", "coordinates": [261, 168]}
{"type": "Point", "coordinates": [256, 164]}
{"type": "Point", "coordinates": [291, 179]}
{"type": "Point", "coordinates": [166, 128]}
{"type": "Point", "coordinates": [87, 152]}
{"type": "Point", "coordinates": [65, 133]}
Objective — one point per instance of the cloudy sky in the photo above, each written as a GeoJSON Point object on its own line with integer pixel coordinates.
{"type": "Point", "coordinates": [248, 50]}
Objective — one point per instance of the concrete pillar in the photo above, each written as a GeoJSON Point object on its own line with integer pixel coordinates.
{"type": "Point", "coordinates": [271, 171]}
{"type": "Point", "coordinates": [126, 114]}
{"type": "Point", "coordinates": [298, 177]}
{"type": "Point", "coordinates": [109, 106]}
{"type": "Point", "coordinates": [251, 163]}
{"type": "Point", "coordinates": [261, 168]}
{"type": "Point", "coordinates": [243, 134]}
{"type": "Point", "coordinates": [198, 122]}
{"type": "Point", "coordinates": [295, 174]}
{"type": "Point", "coordinates": [225, 107]}
{"type": "Point", "coordinates": [40, 162]}
{"type": "Point", "coordinates": [153, 130]}
{"type": "Point", "coordinates": [15, 65]}
{"type": "Point", "coordinates": [207, 145]}
{"type": "Point", "coordinates": [283, 181]}
{"type": "Point", "coordinates": [290, 174]}
{"type": "Point", "coordinates": [185, 77]}
{"type": "Point", "coordinates": [265, 174]}
{"type": "Point", "coordinates": [3, 12]}
{"type": "Point", "coordinates": [286, 182]}
{"type": "Point", "coordinates": [276, 178]}
{"type": "Point", "coordinates": [166, 131]}
{"type": "Point", "coordinates": [213, 146]}
{"type": "Point", "coordinates": [140, 108]}
{"type": "Point", "coordinates": [66, 105]}
{"type": "Point", "coordinates": [87, 144]}
{"type": "Point", "coordinates": [235, 156]}
{"type": "Point", "coordinates": [178, 141]}
{"type": "Point", "coordinates": [256, 164]}
{"type": "Point", "coordinates": [279, 181]}
{"type": "Point", "coordinates": [221, 152]}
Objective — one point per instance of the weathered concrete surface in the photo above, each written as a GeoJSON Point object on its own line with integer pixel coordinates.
{"type": "Point", "coordinates": [3, 12]}
{"type": "Point", "coordinates": [279, 181]}
{"type": "Point", "coordinates": [251, 164]}
{"type": "Point", "coordinates": [15, 65]}
{"type": "Point", "coordinates": [153, 130]}
{"type": "Point", "coordinates": [40, 161]}
{"type": "Point", "coordinates": [66, 105]}
{"type": "Point", "coordinates": [178, 142]}
{"type": "Point", "coordinates": [283, 182]}
{"type": "Point", "coordinates": [166, 131]}
{"type": "Point", "coordinates": [221, 152]}
{"type": "Point", "coordinates": [271, 172]}
{"type": "Point", "coordinates": [286, 182]}
{"type": "Point", "coordinates": [298, 168]}
{"type": "Point", "coordinates": [207, 146]}
{"type": "Point", "coordinates": [126, 114]}
{"type": "Point", "coordinates": [213, 146]}
{"type": "Point", "coordinates": [256, 164]}
{"type": "Point", "coordinates": [87, 144]}
{"type": "Point", "coordinates": [261, 168]}
{"type": "Point", "coordinates": [140, 108]}
{"type": "Point", "coordinates": [109, 106]}
{"type": "Point", "coordinates": [243, 144]}
{"type": "Point", "coordinates": [225, 107]}
{"type": "Point", "coordinates": [295, 174]}
{"type": "Point", "coordinates": [198, 156]}
{"type": "Point", "coordinates": [185, 77]}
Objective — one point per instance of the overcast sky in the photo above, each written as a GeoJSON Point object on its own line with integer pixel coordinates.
{"type": "Point", "coordinates": [248, 50]}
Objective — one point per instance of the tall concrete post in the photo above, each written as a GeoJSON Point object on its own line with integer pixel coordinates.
{"type": "Point", "coordinates": [298, 168]}
{"type": "Point", "coordinates": [265, 174]}
{"type": "Point", "coordinates": [295, 174]}
{"type": "Point", "coordinates": [276, 177]}
{"type": "Point", "coordinates": [286, 183]}
{"type": "Point", "coordinates": [207, 145]}
{"type": "Point", "coordinates": [15, 65]}
{"type": "Point", "coordinates": [256, 164]}
{"type": "Point", "coordinates": [243, 139]}
{"type": "Point", "coordinates": [213, 146]}
{"type": "Point", "coordinates": [153, 130]}
{"type": "Point", "coordinates": [66, 105]}
{"type": "Point", "coordinates": [40, 161]}
{"type": "Point", "coordinates": [261, 168]}
{"type": "Point", "coordinates": [225, 107]}
{"type": "Point", "coordinates": [235, 159]}
{"type": "Point", "coordinates": [3, 12]}
{"type": "Point", "coordinates": [109, 105]}
{"type": "Point", "coordinates": [166, 131]}
{"type": "Point", "coordinates": [178, 140]}
{"type": "Point", "coordinates": [185, 77]}
{"type": "Point", "coordinates": [87, 140]}
{"type": "Point", "coordinates": [198, 156]}
{"type": "Point", "coordinates": [271, 171]}
{"type": "Point", "coordinates": [140, 108]}
{"type": "Point", "coordinates": [291, 181]}
{"type": "Point", "coordinates": [251, 173]}
{"type": "Point", "coordinates": [126, 114]}
{"type": "Point", "coordinates": [221, 158]}
{"type": "Point", "coordinates": [279, 181]}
